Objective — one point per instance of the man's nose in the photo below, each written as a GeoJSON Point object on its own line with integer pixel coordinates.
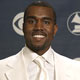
{"type": "Point", "coordinates": [39, 25]}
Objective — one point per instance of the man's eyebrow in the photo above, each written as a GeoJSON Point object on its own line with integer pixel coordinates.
{"type": "Point", "coordinates": [33, 17]}
{"type": "Point", "coordinates": [47, 18]}
{"type": "Point", "coordinates": [28, 17]}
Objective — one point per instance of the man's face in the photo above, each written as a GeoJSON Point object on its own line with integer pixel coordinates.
{"type": "Point", "coordinates": [39, 28]}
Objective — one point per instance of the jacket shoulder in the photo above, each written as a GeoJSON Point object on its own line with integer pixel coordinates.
{"type": "Point", "coordinates": [10, 58]}
{"type": "Point", "coordinates": [7, 60]}
{"type": "Point", "coordinates": [65, 60]}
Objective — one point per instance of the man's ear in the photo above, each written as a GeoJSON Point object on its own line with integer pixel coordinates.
{"type": "Point", "coordinates": [55, 29]}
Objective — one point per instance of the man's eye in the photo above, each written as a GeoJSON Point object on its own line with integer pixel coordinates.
{"type": "Point", "coordinates": [31, 21]}
{"type": "Point", "coordinates": [46, 22]}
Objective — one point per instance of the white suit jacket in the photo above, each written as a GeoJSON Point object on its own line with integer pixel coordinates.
{"type": "Point", "coordinates": [12, 68]}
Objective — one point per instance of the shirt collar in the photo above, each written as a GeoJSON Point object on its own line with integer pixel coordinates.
{"type": "Point", "coordinates": [30, 55]}
{"type": "Point", "coordinates": [49, 56]}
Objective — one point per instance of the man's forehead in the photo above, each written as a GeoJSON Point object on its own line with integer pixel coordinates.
{"type": "Point", "coordinates": [42, 7]}
{"type": "Point", "coordinates": [39, 11]}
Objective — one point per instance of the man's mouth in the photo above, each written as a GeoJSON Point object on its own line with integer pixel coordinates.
{"type": "Point", "coordinates": [38, 36]}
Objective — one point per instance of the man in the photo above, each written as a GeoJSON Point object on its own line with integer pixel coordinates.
{"type": "Point", "coordinates": [39, 29]}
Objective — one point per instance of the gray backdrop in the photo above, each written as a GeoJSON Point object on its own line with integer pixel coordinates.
{"type": "Point", "coordinates": [67, 39]}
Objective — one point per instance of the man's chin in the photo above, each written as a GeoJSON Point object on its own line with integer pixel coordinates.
{"type": "Point", "coordinates": [37, 48]}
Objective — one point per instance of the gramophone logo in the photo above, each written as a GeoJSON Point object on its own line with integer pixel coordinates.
{"type": "Point", "coordinates": [73, 23]}
{"type": "Point", "coordinates": [78, 58]}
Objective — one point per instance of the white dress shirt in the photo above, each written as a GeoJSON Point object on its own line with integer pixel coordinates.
{"type": "Point", "coordinates": [32, 69]}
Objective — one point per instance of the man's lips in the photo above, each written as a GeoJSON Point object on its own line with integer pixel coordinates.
{"type": "Point", "coordinates": [38, 36]}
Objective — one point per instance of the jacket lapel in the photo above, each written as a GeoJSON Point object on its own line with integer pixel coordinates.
{"type": "Point", "coordinates": [16, 69]}
{"type": "Point", "coordinates": [61, 69]}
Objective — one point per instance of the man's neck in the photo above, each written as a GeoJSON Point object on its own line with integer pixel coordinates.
{"type": "Point", "coordinates": [40, 52]}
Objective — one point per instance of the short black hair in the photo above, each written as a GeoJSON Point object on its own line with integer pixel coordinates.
{"type": "Point", "coordinates": [39, 3]}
